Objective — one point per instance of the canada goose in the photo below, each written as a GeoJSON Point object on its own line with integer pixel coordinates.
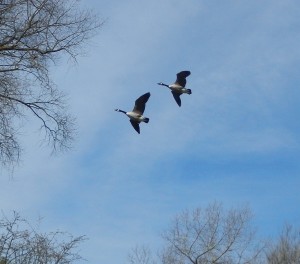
{"type": "Point", "coordinates": [136, 115]}
{"type": "Point", "coordinates": [178, 88]}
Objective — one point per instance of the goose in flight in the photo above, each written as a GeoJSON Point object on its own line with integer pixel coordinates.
{"type": "Point", "coordinates": [178, 88]}
{"type": "Point", "coordinates": [136, 115]}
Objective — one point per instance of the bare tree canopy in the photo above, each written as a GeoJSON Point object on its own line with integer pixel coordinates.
{"type": "Point", "coordinates": [211, 235]}
{"type": "Point", "coordinates": [287, 248]}
{"type": "Point", "coordinates": [34, 34]}
{"type": "Point", "coordinates": [20, 243]}
{"type": "Point", "coordinates": [140, 255]}
{"type": "Point", "coordinates": [207, 236]}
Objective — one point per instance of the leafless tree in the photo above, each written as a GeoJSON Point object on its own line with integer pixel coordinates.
{"type": "Point", "coordinates": [20, 243]}
{"type": "Point", "coordinates": [141, 255]}
{"type": "Point", "coordinates": [212, 235]}
{"type": "Point", "coordinates": [207, 236]}
{"type": "Point", "coordinates": [33, 35]}
{"type": "Point", "coordinates": [287, 248]}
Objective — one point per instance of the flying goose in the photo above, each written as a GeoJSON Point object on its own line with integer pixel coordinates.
{"type": "Point", "coordinates": [178, 88]}
{"type": "Point", "coordinates": [136, 115]}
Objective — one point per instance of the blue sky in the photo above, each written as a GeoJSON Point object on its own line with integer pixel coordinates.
{"type": "Point", "coordinates": [235, 140]}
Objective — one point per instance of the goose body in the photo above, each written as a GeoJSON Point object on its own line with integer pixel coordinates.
{"type": "Point", "coordinates": [178, 87]}
{"type": "Point", "coordinates": [136, 115]}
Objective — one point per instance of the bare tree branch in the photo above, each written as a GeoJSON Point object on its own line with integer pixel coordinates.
{"type": "Point", "coordinates": [287, 248]}
{"type": "Point", "coordinates": [20, 243]}
{"type": "Point", "coordinates": [34, 34]}
{"type": "Point", "coordinates": [141, 255]}
{"type": "Point", "coordinates": [211, 236]}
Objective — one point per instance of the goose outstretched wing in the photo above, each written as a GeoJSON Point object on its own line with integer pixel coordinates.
{"type": "Point", "coordinates": [140, 103]}
{"type": "Point", "coordinates": [181, 78]}
{"type": "Point", "coordinates": [135, 125]}
{"type": "Point", "coordinates": [177, 97]}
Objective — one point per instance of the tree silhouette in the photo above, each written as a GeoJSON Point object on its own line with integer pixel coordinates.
{"type": "Point", "coordinates": [33, 35]}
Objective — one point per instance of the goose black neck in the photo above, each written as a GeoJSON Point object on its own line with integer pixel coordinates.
{"type": "Point", "coordinates": [124, 112]}
{"type": "Point", "coordinates": [163, 84]}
